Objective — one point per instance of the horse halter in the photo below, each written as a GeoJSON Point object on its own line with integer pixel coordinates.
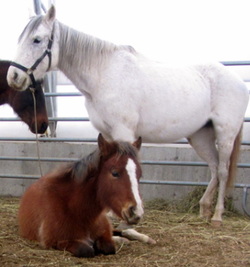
{"type": "Point", "coordinates": [30, 70]}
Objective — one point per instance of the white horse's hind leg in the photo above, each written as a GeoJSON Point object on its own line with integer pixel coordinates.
{"type": "Point", "coordinates": [226, 147]}
{"type": "Point", "coordinates": [203, 143]}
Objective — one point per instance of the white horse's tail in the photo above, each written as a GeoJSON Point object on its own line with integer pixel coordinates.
{"type": "Point", "coordinates": [234, 159]}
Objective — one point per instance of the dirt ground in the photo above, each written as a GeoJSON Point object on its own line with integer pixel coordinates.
{"type": "Point", "coordinates": [183, 239]}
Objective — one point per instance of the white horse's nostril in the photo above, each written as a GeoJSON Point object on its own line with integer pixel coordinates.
{"type": "Point", "coordinates": [15, 76]}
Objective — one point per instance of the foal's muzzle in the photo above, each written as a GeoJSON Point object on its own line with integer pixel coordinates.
{"type": "Point", "coordinates": [131, 215]}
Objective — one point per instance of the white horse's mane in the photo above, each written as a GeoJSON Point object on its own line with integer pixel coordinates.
{"type": "Point", "coordinates": [91, 51]}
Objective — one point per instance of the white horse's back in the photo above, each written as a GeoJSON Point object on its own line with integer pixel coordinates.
{"type": "Point", "coordinates": [158, 102]}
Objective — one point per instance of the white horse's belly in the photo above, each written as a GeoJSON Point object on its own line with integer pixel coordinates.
{"type": "Point", "coordinates": [152, 129]}
{"type": "Point", "coordinates": [168, 132]}
{"type": "Point", "coordinates": [184, 109]}
{"type": "Point", "coordinates": [169, 127]}
{"type": "Point", "coordinates": [157, 123]}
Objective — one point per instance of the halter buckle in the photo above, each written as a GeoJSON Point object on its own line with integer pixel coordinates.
{"type": "Point", "coordinates": [29, 71]}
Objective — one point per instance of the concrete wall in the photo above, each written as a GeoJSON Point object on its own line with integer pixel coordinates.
{"type": "Point", "coordinates": [16, 187]}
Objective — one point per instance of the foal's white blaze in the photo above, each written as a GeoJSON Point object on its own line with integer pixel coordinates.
{"type": "Point", "coordinates": [131, 170]}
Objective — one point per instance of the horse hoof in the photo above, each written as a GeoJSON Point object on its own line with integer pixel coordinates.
{"type": "Point", "coordinates": [205, 218]}
{"type": "Point", "coordinates": [216, 224]}
{"type": "Point", "coordinates": [205, 214]}
{"type": "Point", "coordinates": [151, 241]}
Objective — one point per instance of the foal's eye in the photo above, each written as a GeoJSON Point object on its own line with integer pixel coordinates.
{"type": "Point", "coordinates": [37, 40]}
{"type": "Point", "coordinates": [115, 173]}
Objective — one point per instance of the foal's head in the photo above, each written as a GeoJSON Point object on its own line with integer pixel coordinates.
{"type": "Point", "coordinates": [118, 179]}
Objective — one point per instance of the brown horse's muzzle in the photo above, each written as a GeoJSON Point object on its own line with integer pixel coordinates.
{"type": "Point", "coordinates": [41, 127]}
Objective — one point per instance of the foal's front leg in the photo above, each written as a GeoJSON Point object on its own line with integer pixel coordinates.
{"type": "Point", "coordinates": [104, 243]}
{"type": "Point", "coordinates": [79, 248]}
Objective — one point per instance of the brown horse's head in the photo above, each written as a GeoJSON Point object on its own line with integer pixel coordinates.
{"type": "Point", "coordinates": [118, 179]}
{"type": "Point", "coordinates": [23, 102]}
{"type": "Point", "coordinates": [23, 105]}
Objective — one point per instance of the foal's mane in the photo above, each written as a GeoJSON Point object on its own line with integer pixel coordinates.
{"type": "Point", "coordinates": [87, 167]}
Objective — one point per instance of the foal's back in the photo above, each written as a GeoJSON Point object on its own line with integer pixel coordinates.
{"type": "Point", "coordinates": [29, 218]}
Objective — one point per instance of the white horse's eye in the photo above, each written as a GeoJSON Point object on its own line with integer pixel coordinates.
{"type": "Point", "coordinates": [37, 40]}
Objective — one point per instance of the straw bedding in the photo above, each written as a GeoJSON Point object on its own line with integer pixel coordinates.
{"type": "Point", "coordinates": [183, 239]}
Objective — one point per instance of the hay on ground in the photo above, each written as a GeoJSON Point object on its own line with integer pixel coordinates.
{"type": "Point", "coordinates": [183, 239]}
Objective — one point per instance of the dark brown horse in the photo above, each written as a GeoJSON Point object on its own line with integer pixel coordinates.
{"type": "Point", "coordinates": [23, 102]}
{"type": "Point", "coordinates": [66, 209]}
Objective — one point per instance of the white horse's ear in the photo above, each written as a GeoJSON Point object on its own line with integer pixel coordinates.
{"type": "Point", "coordinates": [51, 14]}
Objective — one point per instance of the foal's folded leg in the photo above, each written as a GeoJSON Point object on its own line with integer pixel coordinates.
{"type": "Point", "coordinates": [124, 230]}
{"type": "Point", "coordinates": [132, 234]}
{"type": "Point", "coordinates": [77, 247]}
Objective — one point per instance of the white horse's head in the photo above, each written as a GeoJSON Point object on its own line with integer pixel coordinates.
{"type": "Point", "coordinates": [37, 52]}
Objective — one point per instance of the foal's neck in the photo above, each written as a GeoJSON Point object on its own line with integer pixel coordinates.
{"type": "Point", "coordinates": [86, 203]}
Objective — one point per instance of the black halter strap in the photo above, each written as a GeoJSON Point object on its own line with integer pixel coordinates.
{"type": "Point", "coordinates": [30, 70]}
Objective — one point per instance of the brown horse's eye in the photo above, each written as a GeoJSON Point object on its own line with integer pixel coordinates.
{"type": "Point", "coordinates": [115, 173]}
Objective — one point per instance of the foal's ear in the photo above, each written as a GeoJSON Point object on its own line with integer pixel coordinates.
{"type": "Point", "coordinates": [51, 14]}
{"type": "Point", "coordinates": [103, 145]}
{"type": "Point", "coordinates": [137, 143]}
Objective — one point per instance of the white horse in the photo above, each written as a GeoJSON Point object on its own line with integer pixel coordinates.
{"type": "Point", "coordinates": [128, 95]}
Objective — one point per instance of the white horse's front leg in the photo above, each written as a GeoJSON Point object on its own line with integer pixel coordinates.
{"type": "Point", "coordinates": [121, 132]}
